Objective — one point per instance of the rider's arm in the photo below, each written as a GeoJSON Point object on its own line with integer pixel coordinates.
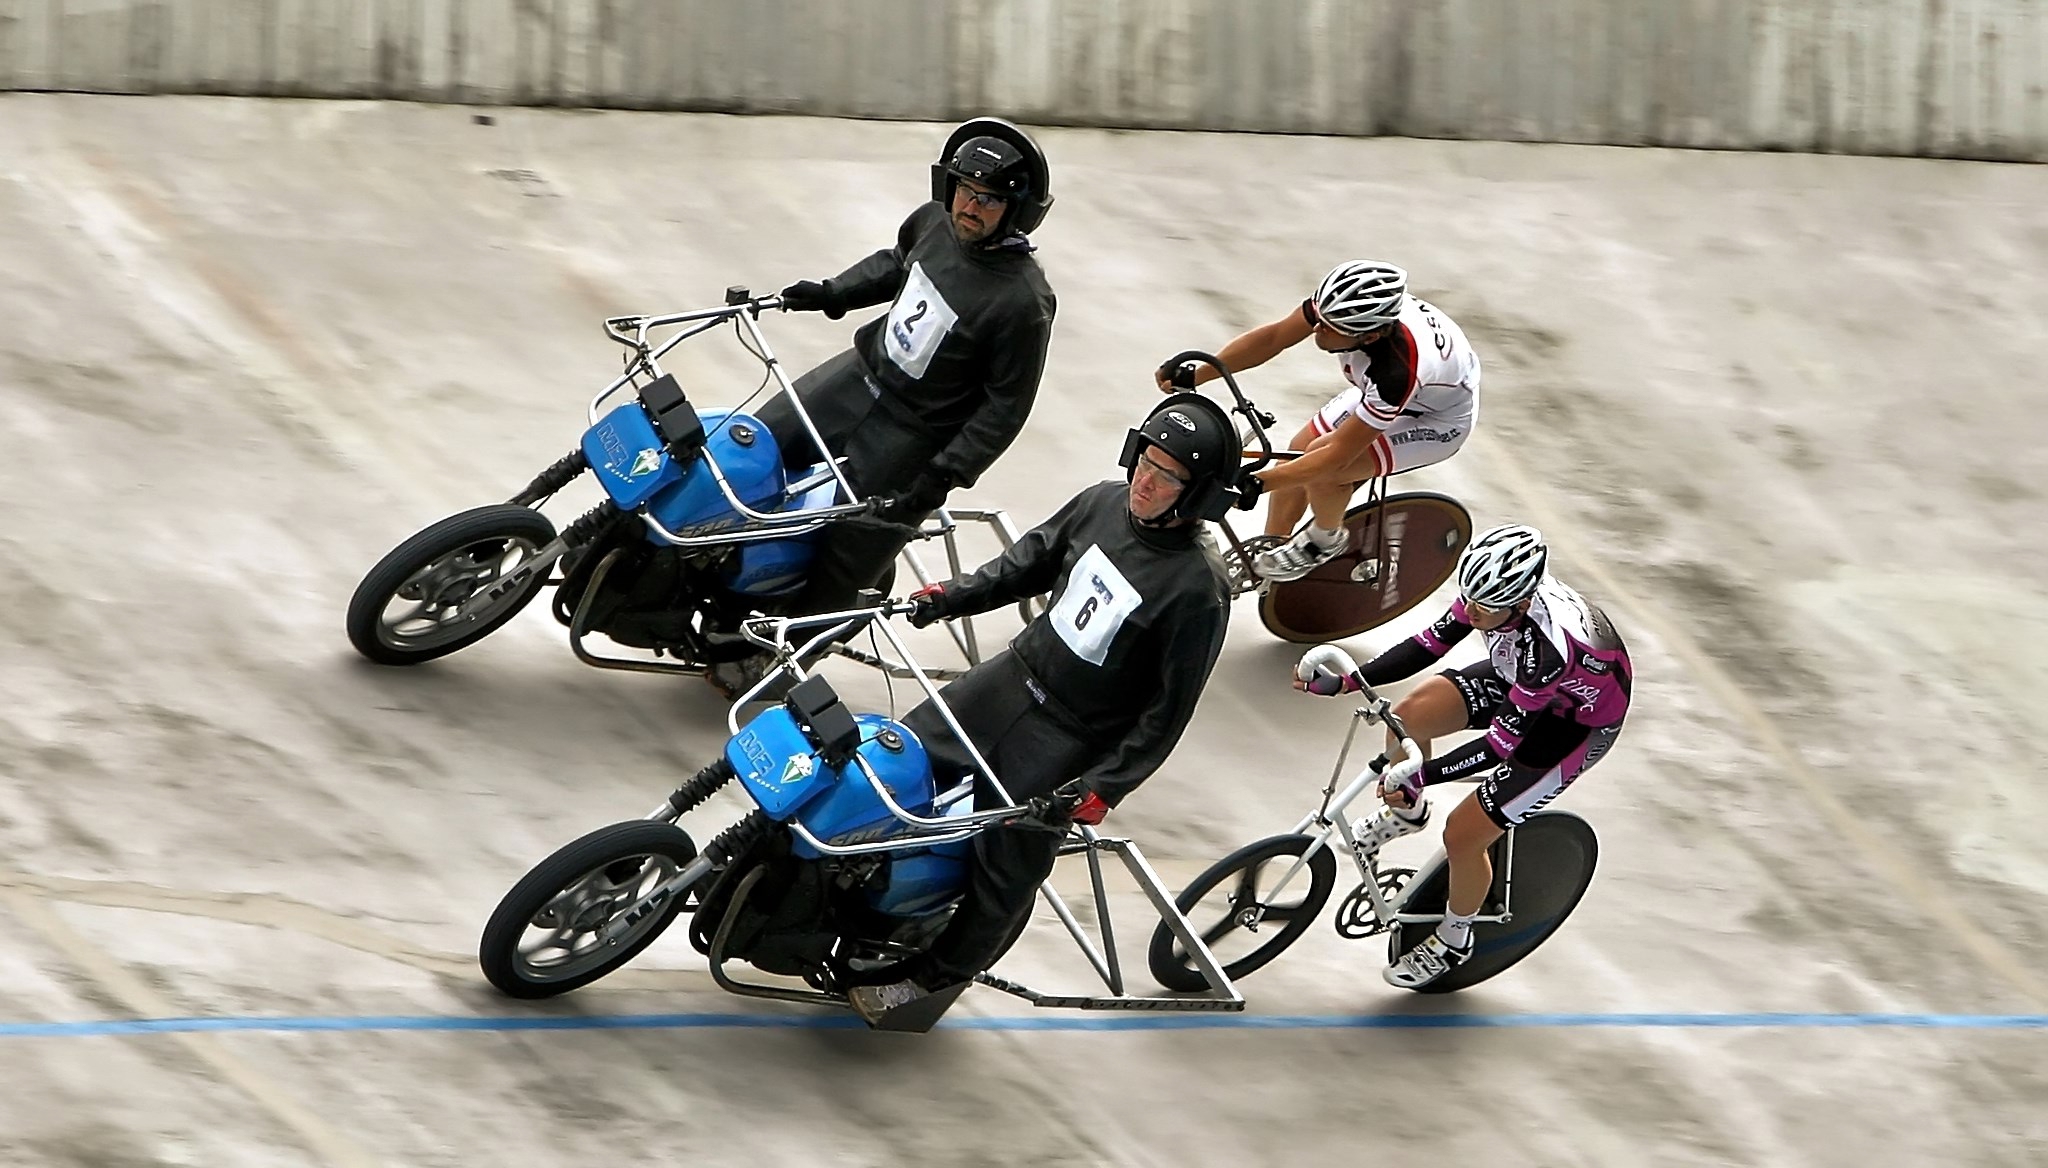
{"type": "Point", "coordinates": [1538, 669]}
{"type": "Point", "coordinates": [1419, 652]}
{"type": "Point", "coordinates": [1188, 654]}
{"type": "Point", "coordinates": [1254, 347]}
{"type": "Point", "coordinates": [1030, 567]}
{"type": "Point", "coordinates": [1016, 358]}
{"type": "Point", "coordinates": [1341, 448]}
{"type": "Point", "coordinates": [878, 278]}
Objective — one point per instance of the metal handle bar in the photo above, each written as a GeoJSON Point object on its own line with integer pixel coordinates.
{"type": "Point", "coordinates": [1376, 708]}
{"type": "Point", "coordinates": [1243, 407]}
{"type": "Point", "coordinates": [616, 327]}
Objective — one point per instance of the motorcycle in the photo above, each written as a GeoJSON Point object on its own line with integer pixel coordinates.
{"type": "Point", "coordinates": [701, 527]}
{"type": "Point", "coordinates": [851, 861]}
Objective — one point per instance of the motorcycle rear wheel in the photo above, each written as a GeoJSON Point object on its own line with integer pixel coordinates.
{"type": "Point", "coordinates": [422, 600]}
{"type": "Point", "coordinates": [545, 937]}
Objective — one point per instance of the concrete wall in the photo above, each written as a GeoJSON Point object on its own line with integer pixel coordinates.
{"type": "Point", "coordinates": [1939, 77]}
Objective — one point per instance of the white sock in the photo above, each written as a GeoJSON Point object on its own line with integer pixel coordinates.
{"type": "Point", "coordinates": [1323, 537]}
{"type": "Point", "coordinates": [1455, 930]}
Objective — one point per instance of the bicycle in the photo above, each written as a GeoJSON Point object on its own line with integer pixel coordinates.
{"type": "Point", "coordinates": [1403, 547]}
{"type": "Point", "coordinates": [1541, 868]}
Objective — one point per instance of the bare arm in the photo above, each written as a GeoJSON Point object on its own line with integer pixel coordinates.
{"type": "Point", "coordinates": [1250, 349]}
{"type": "Point", "coordinates": [1339, 448]}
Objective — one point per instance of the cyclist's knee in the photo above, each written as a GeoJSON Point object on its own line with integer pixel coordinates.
{"type": "Point", "coordinates": [1469, 829]}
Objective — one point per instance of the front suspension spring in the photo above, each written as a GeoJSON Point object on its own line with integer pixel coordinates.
{"type": "Point", "coordinates": [590, 524]}
{"type": "Point", "coordinates": [738, 838]}
{"type": "Point", "coordinates": [700, 787]}
{"type": "Point", "coordinates": [554, 478]}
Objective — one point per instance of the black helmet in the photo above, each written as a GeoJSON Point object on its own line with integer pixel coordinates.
{"type": "Point", "coordinates": [1002, 158]}
{"type": "Point", "coordinates": [1198, 434]}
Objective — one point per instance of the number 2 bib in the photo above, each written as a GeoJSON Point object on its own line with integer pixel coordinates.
{"type": "Point", "coordinates": [1095, 605]}
{"type": "Point", "coordinates": [918, 322]}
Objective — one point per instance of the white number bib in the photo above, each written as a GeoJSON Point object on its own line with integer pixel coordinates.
{"type": "Point", "coordinates": [1095, 605]}
{"type": "Point", "coordinates": [918, 322]}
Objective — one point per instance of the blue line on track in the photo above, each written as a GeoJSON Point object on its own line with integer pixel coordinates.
{"type": "Point", "coordinates": [1050, 1022]}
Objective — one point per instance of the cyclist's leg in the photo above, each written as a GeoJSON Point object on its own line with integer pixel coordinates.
{"type": "Point", "coordinates": [1285, 507]}
{"type": "Point", "coordinates": [1516, 790]}
{"type": "Point", "coordinates": [1329, 497]}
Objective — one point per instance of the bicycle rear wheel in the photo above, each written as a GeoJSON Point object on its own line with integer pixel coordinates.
{"type": "Point", "coordinates": [1555, 852]}
{"type": "Point", "coordinates": [1235, 898]}
{"type": "Point", "coordinates": [1389, 568]}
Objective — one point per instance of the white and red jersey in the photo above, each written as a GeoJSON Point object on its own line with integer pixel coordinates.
{"type": "Point", "coordinates": [1423, 368]}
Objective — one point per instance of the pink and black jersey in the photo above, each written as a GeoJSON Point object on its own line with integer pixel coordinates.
{"type": "Point", "coordinates": [1562, 659]}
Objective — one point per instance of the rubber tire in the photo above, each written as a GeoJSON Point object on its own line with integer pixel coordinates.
{"type": "Point", "coordinates": [366, 607]}
{"type": "Point", "coordinates": [498, 950]}
{"type": "Point", "coordinates": [1545, 893]}
{"type": "Point", "coordinates": [1173, 971]}
{"type": "Point", "coordinates": [1282, 604]}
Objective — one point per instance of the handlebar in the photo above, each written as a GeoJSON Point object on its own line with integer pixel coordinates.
{"type": "Point", "coordinates": [631, 331]}
{"type": "Point", "coordinates": [1376, 708]}
{"type": "Point", "coordinates": [1258, 418]}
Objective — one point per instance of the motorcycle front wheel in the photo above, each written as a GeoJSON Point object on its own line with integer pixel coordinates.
{"type": "Point", "coordinates": [443, 589]}
{"type": "Point", "coordinates": [547, 936]}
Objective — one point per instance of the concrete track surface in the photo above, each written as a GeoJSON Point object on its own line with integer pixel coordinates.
{"type": "Point", "coordinates": [1780, 414]}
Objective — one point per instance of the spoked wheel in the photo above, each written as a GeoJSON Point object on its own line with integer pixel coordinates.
{"type": "Point", "coordinates": [547, 936]}
{"type": "Point", "coordinates": [1402, 548]}
{"type": "Point", "coordinates": [1248, 907]}
{"type": "Point", "coordinates": [1554, 855]}
{"type": "Point", "coordinates": [440, 590]}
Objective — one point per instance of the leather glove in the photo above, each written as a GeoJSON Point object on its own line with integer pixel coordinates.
{"type": "Point", "coordinates": [1249, 488]}
{"type": "Point", "coordinates": [920, 498]}
{"type": "Point", "coordinates": [1173, 377]}
{"type": "Point", "coordinates": [813, 296]}
{"type": "Point", "coordinates": [931, 605]}
{"type": "Point", "coordinates": [1090, 810]}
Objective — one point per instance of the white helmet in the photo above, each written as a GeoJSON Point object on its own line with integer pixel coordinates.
{"type": "Point", "coordinates": [1362, 295]}
{"type": "Point", "coordinates": [1502, 568]}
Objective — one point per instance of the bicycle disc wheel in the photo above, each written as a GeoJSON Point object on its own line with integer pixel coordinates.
{"type": "Point", "coordinates": [1240, 895]}
{"type": "Point", "coordinates": [1388, 569]}
{"type": "Point", "coordinates": [1555, 852]}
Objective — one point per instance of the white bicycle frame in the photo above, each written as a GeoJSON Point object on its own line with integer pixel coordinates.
{"type": "Point", "coordinates": [1330, 818]}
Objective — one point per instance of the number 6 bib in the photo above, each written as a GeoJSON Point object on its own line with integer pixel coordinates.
{"type": "Point", "coordinates": [1095, 605]}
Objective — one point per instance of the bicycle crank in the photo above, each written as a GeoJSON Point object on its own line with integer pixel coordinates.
{"type": "Point", "coordinates": [1355, 916]}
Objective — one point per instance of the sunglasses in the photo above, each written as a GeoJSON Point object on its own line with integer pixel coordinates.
{"type": "Point", "coordinates": [1149, 465]}
{"type": "Point", "coordinates": [988, 199]}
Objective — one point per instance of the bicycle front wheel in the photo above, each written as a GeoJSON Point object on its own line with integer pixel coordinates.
{"type": "Point", "coordinates": [1247, 908]}
{"type": "Point", "coordinates": [1554, 855]}
{"type": "Point", "coordinates": [1402, 549]}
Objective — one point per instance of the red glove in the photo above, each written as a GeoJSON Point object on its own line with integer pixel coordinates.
{"type": "Point", "coordinates": [931, 605]}
{"type": "Point", "coordinates": [1090, 809]}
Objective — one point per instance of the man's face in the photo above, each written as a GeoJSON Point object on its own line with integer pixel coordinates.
{"type": "Point", "coordinates": [1333, 340]}
{"type": "Point", "coordinates": [1156, 484]}
{"type": "Point", "coordinates": [976, 211]}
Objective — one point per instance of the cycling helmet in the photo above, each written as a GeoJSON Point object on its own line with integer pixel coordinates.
{"type": "Point", "coordinates": [1197, 433]}
{"type": "Point", "coordinates": [1002, 158]}
{"type": "Point", "coordinates": [1502, 567]}
{"type": "Point", "coordinates": [1360, 296]}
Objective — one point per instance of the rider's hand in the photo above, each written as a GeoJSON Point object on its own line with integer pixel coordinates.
{"type": "Point", "coordinates": [1401, 786]}
{"type": "Point", "coordinates": [931, 605]}
{"type": "Point", "coordinates": [813, 296]}
{"type": "Point", "coordinates": [1249, 488]}
{"type": "Point", "coordinates": [919, 499]}
{"type": "Point", "coordinates": [1090, 810]}
{"type": "Point", "coordinates": [1172, 377]}
{"type": "Point", "coordinates": [1324, 681]}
